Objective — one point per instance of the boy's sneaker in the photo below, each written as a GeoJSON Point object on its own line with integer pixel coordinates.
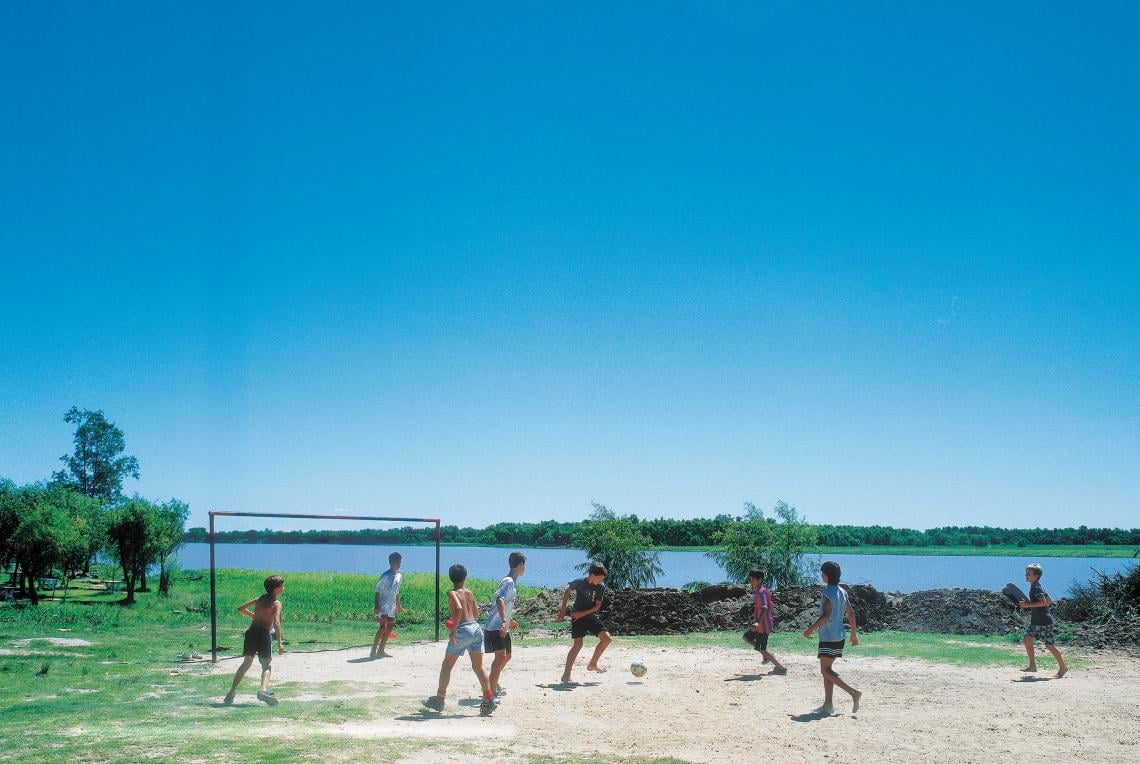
{"type": "Point", "coordinates": [267, 697]}
{"type": "Point", "coordinates": [434, 703]}
{"type": "Point", "coordinates": [499, 691]}
{"type": "Point", "coordinates": [488, 706]}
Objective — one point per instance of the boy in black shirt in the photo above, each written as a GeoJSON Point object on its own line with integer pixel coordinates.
{"type": "Point", "coordinates": [588, 593]}
{"type": "Point", "coordinates": [1041, 625]}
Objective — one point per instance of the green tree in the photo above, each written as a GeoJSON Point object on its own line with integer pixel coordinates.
{"type": "Point", "coordinates": [97, 466]}
{"type": "Point", "coordinates": [9, 519]}
{"type": "Point", "coordinates": [775, 545]}
{"type": "Point", "coordinates": [617, 543]}
{"type": "Point", "coordinates": [170, 527]}
{"type": "Point", "coordinates": [132, 533]}
{"type": "Point", "coordinates": [44, 536]}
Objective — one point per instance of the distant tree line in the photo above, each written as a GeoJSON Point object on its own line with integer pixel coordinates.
{"type": "Point", "coordinates": [61, 526]}
{"type": "Point", "coordinates": [706, 532]}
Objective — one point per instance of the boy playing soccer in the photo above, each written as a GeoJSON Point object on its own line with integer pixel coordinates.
{"type": "Point", "coordinates": [833, 607]}
{"type": "Point", "coordinates": [1041, 624]}
{"type": "Point", "coordinates": [466, 636]}
{"type": "Point", "coordinates": [266, 616]}
{"type": "Point", "coordinates": [588, 593]}
{"type": "Point", "coordinates": [497, 635]}
{"type": "Point", "coordinates": [763, 622]}
{"type": "Point", "coordinates": [387, 605]}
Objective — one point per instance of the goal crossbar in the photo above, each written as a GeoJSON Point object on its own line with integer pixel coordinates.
{"type": "Point", "coordinates": [213, 570]}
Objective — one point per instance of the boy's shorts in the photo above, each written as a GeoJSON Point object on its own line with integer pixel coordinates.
{"type": "Point", "coordinates": [387, 610]}
{"type": "Point", "coordinates": [831, 649]}
{"type": "Point", "coordinates": [758, 639]}
{"type": "Point", "coordinates": [1047, 633]}
{"type": "Point", "coordinates": [591, 624]}
{"type": "Point", "coordinates": [468, 639]}
{"type": "Point", "coordinates": [493, 642]}
{"type": "Point", "coordinates": [258, 642]}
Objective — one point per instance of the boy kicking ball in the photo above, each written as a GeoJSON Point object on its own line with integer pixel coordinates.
{"type": "Point", "coordinates": [588, 593]}
{"type": "Point", "coordinates": [266, 616]}
{"type": "Point", "coordinates": [834, 606]}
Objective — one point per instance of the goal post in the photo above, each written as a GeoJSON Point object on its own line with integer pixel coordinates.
{"type": "Point", "coordinates": [366, 518]}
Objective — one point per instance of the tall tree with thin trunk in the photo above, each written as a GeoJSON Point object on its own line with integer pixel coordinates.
{"type": "Point", "coordinates": [97, 466]}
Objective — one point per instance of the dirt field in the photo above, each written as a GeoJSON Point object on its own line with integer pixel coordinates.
{"type": "Point", "coordinates": [716, 704]}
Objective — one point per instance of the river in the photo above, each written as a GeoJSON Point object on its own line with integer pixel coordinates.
{"type": "Point", "coordinates": [554, 567]}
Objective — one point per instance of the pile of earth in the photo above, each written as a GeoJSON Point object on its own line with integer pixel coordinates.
{"type": "Point", "coordinates": [725, 607]}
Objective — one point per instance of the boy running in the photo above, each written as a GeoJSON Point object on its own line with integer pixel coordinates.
{"type": "Point", "coordinates": [266, 616]}
{"type": "Point", "coordinates": [1041, 624]}
{"type": "Point", "coordinates": [497, 635]}
{"type": "Point", "coordinates": [763, 622]}
{"type": "Point", "coordinates": [833, 607]}
{"type": "Point", "coordinates": [387, 605]}
{"type": "Point", "coordinates": [466, 636]}
{"type": "Point", "coordinates": [588, 593]}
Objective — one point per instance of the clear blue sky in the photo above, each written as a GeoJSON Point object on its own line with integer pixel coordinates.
{"type": "Point", "coordinates": [495, 263]}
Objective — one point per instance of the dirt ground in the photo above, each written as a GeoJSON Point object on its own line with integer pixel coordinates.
{"type": "Point", "coordinates": [717, 704]}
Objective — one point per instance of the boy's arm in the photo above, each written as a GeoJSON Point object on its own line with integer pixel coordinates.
{"type": "Point", "coordinates": [589, 611]}
{"type": "Point", "coordinates": [853, 624]}
{"type": "Point", "coordinates": [501, 605]}
{"type": "Point", "coordinates": [376, 605]}
{"type": "Point", "coordinates": [822, 619]}
{"type": "Point", "coordinates": [277, 625]}
{"type": "Point", "coordinates": [244, 609]}
{"type": "Point", "coordinates": [562, 607]}
{"type": "Point", "coordinates": [399, 607]}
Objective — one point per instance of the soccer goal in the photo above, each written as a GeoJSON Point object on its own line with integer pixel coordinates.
{"type": "Point", "coordinates": [364, 518]}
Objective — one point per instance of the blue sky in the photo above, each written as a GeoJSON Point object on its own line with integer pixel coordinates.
{"type": "Point", "coordinates": [879, 261]}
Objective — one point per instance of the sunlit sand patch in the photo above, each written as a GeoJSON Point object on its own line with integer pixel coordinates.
{"type": "Point", "coordinates": [57, 641]}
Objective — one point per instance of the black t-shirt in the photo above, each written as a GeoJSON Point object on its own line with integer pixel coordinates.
{"type": "Point", "coordinates": [1039, 616]}
{"type": "Point", "coordinates": [586, 594]}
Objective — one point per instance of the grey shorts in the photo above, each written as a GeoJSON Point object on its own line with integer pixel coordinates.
{"type": "Point", "coordinates": [468, 639]}
{"type": "Point", "coordinates": [1047, 632]}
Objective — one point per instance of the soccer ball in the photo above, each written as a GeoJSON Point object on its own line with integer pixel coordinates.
{"type": "Point", "coordinates": [637, 668]}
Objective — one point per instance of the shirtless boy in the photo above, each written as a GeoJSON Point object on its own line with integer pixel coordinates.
{"type": "Point", "coordinates": [466, 636]}
{"type": "Point", "coordinates": [266, 616]}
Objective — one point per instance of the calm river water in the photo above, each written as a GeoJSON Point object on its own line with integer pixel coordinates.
{"type": "Point", "coordinates": [554, 567]}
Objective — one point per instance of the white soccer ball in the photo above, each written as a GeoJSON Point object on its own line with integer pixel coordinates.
{"type": "Point", "coordinates": [637, 668]}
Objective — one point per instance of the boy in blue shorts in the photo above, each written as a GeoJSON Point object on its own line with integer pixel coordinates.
{"type": "Point", "coordinates": [497, 635]}
{"type": "Point", "coordinates": [466, 637]}
{"type": "Point", "coordinates": [588, 594]}
{"type": "Point", "coordinates": [1041, 624]}
{"type": "Point", "coordinates": [387, 604]}
{"type": "Point", "coordinates": [833, 607]}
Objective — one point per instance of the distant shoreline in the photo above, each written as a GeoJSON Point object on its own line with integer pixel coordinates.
{"type": "Point", "coordinates": [1107, 551]}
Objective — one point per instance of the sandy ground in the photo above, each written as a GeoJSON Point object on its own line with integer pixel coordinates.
{"type": "Point", "coordinates": [718, 704]}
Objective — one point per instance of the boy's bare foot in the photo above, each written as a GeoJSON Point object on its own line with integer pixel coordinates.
{"type": "Point", "coordinates": [855, 698]}
{"type": "Point", "coordinates": [382, 655]}
{"type": "Point", "coordinates": [779, 670]}
{"type": "Point", "coordinates": [825, 710]}
{"type": "Point", "coordinates": [566, 680]}
{"type": "Point", "coordinates": [1030, 669]}
{"type": "Point", "coordinates": [1061, 672]}
{"type": "Point", "coordinates": [599, 669]}
{"type": "Point", "coordinates": [228, 700]}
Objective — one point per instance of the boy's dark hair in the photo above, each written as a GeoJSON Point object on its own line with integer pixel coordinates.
{"type": "Point", "coordinates": [516, 559]}
{"type": "Point", "coordinates": [756, 574]}
{"type": "Point", "coordinates": [272, 583]}
{"type": "Point", "coordinates": [597, 569]}
{"type": "Point", "coordinates": [395, 557]}
{"type": "Point", "coordinates": [457, 573]}
{"type": "Point", "coordinates": [831, 570]}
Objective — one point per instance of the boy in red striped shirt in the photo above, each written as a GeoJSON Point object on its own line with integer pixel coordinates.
{"type": "Point", "coordinates": [763, 624]}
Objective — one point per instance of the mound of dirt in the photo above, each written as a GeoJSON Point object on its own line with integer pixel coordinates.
{"type": "Point", "coordinates": [958, 611]}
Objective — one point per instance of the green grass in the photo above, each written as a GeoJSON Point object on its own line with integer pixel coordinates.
{"type": "Point", "coordinates": [1004, 550]}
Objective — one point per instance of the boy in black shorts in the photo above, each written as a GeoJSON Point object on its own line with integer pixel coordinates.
{"type": "Point", "coordinates": [266, 616]}
{"type": "Point", "coordinates": [588, 593]}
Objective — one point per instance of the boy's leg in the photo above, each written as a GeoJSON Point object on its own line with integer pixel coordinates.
{"type": "Point", "coordinates": [1028, 642]}
{"type": "Point", "coordinates": [604, 640]}
{"type": "Point", "coordinates": [828, 687]}
{"type": "Point", "coordinates": [382, 634]}
{"type": "Point", "coordinates": [502, 658]}
{"type": "Point", "coordinates": [266, 672]}
{"type": "Point", "coordinates": [1062, 669]}
{"type": "Point", "coordinates": [480, 673]}
{"type": "Point", "coordinates": [246, 662]}
{"type": "Point", "coordinates": [829, 675]}
{"type": "Point", "coordinates": [570, 658]}
{"type": "Point", "coordinates": [776, 665]}
{"type": "Point", "coordinates": [445, 674]}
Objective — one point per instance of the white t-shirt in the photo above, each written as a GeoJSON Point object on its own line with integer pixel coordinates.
{"type": "Point", "coordinates": [507, 593]}
{"type": "Point", "coordinates": [388, 587]}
